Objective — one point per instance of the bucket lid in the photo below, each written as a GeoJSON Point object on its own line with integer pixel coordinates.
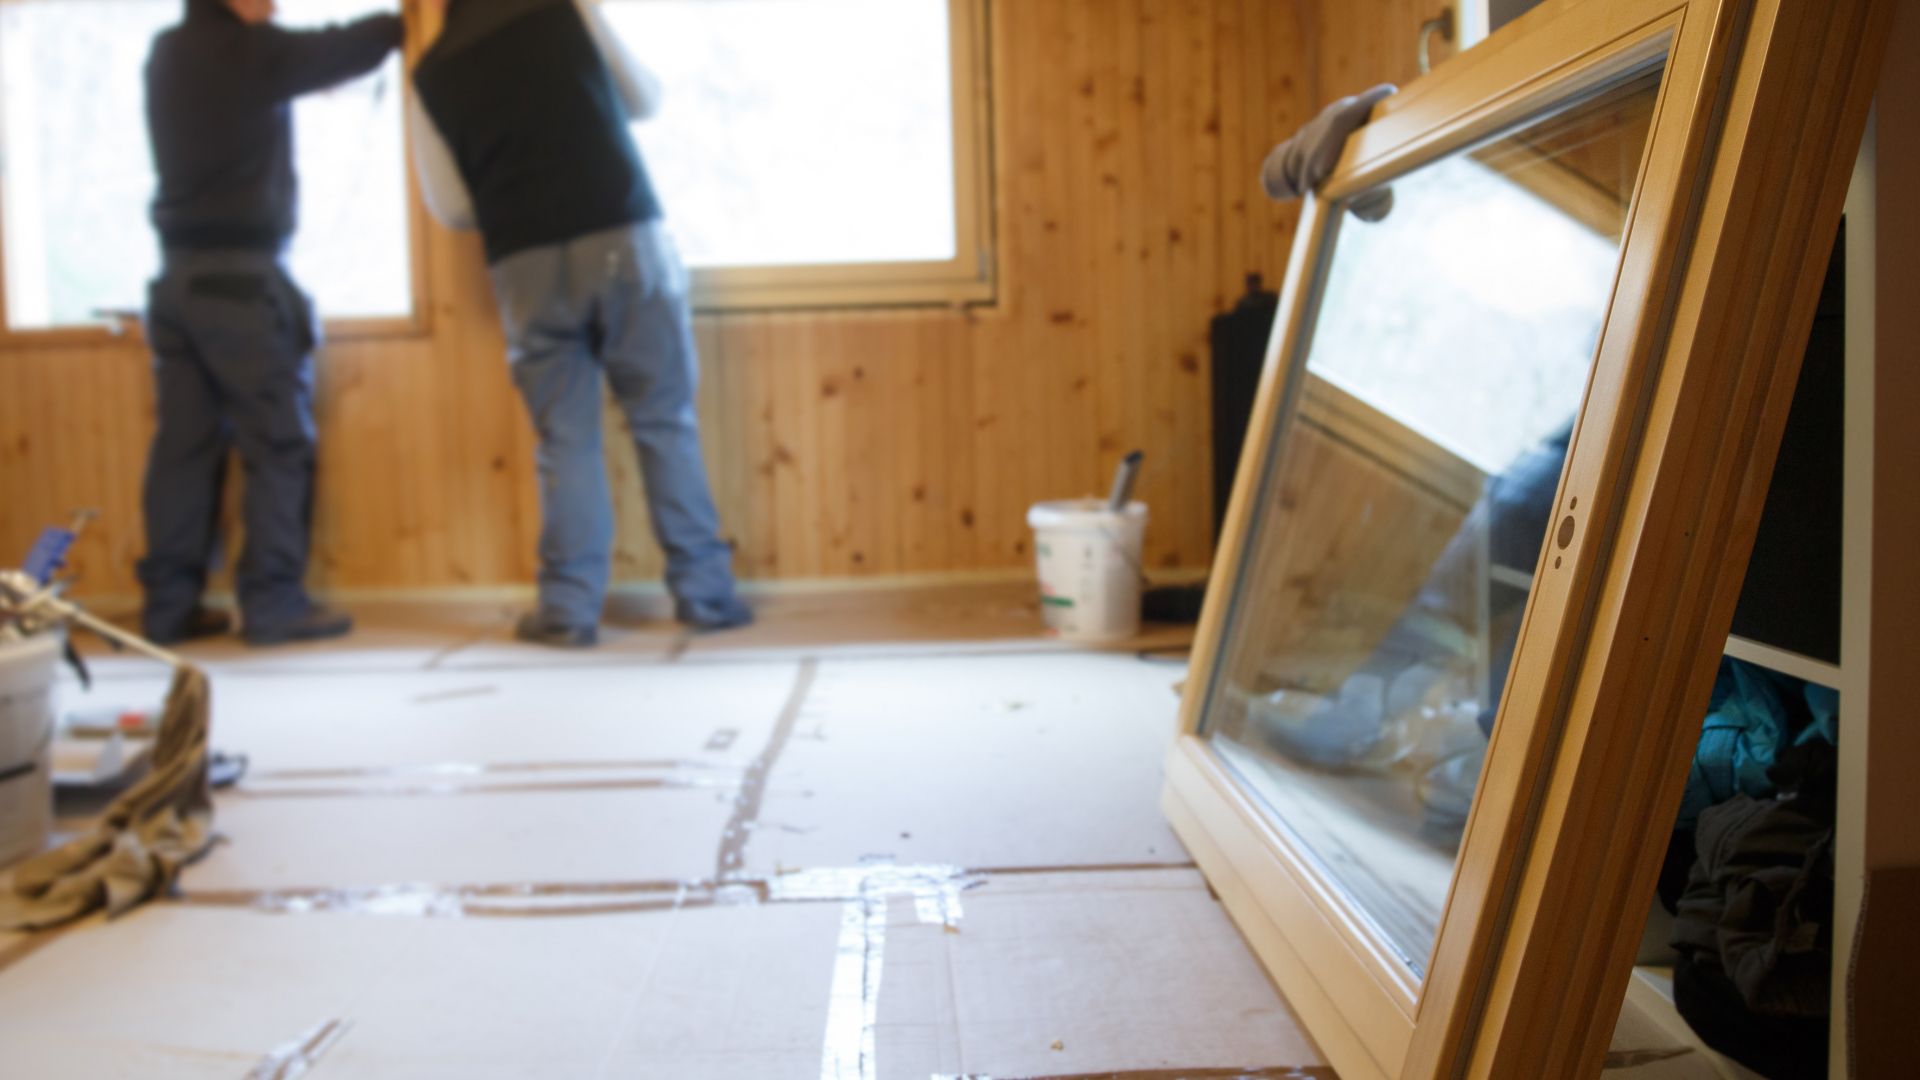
{"type": "Point", "coordinates": [1084, 514]}
{"type": "Point", "coordinates": [34, 648]}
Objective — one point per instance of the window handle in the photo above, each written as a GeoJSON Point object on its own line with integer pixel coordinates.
{"type": "Point", "coordinates": [1441, 24]}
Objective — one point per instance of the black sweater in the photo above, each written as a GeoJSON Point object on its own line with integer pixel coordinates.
{"type": "Point", "coordinates": [219, 97]}
{"type": "Point", "coordinates": [535, 124]}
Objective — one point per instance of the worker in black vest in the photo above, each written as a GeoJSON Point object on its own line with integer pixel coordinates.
{"type": "Point", "coordinates": [525, 136]}
{"type": "Point", "coordinates": [232, 336]}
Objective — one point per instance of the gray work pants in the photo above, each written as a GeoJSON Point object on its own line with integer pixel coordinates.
{"type": "Point", "coordinates": [611, 304]}
{"type": "Point", "coordinates": [232, 341]}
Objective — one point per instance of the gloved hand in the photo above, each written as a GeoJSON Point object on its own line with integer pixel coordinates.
{"type": "Point", "coordinates": [1304, 161]}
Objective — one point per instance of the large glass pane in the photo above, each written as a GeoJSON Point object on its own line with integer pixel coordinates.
{"type": "Point", "coordinates": [1404, 505]}
{"type": "Point", "coordinates": [797, 134]}
{"type": "Point", "coordinates": [79, 173]}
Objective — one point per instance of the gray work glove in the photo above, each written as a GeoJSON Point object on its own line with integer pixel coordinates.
{"type": "Point", "coordinates": [1304, 162]}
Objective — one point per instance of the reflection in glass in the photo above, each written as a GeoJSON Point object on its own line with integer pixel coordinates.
{"type": "Point", "coordinates": [1403, 509]}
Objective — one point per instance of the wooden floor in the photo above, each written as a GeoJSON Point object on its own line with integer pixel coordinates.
{"type": "Point", "coordinates": [888, 834]}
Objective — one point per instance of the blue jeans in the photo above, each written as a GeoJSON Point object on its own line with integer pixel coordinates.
{"type": "Point", "coordinates": [232, 341]}
{"type": "Point", "coordinates": [611, 304]}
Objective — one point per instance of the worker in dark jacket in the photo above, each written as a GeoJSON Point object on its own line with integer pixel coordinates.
{"type": "Point", "coordinates": [525, 136]}
{"type": "Point", "coordinates": [232, 336]}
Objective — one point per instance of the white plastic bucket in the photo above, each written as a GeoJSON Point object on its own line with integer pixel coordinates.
{"type": "Point", "coordinates": [1089, 561]}
{"type": "Point", "coordinates": [26, 744]}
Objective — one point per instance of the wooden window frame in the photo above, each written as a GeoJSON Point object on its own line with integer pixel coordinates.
{"type": "Point", "coordinates": [1760, 107]}
{"type": "Point", "coordinates": [967, 278]}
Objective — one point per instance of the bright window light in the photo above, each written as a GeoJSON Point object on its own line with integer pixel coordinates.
{"type": "Point", "coordinates": [78, 172]}
{"type": "Point", "coordinates": [800, 133]}
{"type": "Point", "coordinates": [1470, 314]}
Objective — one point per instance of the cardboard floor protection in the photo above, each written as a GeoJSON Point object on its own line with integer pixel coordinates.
{"type": "Point", "coordinates": [511, 838]}
{"type": "Point", "coordinates": [1070, 974]}
{"type": "Point", "coordinates": [1137, 972]}
{"type": "Point", "coordinates": [396, 720]}
{"type": "Point", "coordinates": [189, 993]}
{"type": "Point", "coordinates": [384, 779]}
{"type": "Point", "coordinates": [503, 717]}
{"type": "Point", "coordinates": [435, 754]}
{"type": "Point", "coordinates": [1014, 761]}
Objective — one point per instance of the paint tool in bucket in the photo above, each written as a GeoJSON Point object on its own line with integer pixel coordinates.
{"type": "Point", "coordinates": [1125, 475]}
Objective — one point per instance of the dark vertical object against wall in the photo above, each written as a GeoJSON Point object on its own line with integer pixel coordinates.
{"type": "Point", "coordinates": [1239, 339]}
{"type": "Point", "coordinates": [1791, 599]}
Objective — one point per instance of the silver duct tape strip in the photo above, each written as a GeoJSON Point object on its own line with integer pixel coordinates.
{"type": "Point", "coordinates": [485, 901]}
{"type": "Point", "coordinates": [934, 911]}
{"type": "Point", "coordinates": [935, 891]}
{"type": "Point", "coordinates": [849, 1051]}
{"type": "Point", "coordinates": [853, 1002]}
{"type": "Point", "coordinates": [939, 885]}
{"type": "Point", "coordinates": [294, 1059]}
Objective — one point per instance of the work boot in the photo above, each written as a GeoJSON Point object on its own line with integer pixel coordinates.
{"type": "Point", "coordinates": [316, 623]}
{"type": "Point", "coordinates": [201, 622]}
{"type": "Point", "coordinates": [536, 629]}
{"type": "Point", "coordinates": [712, 616]}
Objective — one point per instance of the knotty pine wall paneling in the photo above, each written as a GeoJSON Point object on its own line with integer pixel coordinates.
{"type": "Point", "coordinates": [1127, 136]}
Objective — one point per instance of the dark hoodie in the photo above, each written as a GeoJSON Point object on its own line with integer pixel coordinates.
{"type": "Point", "coordinates": [219, 97]}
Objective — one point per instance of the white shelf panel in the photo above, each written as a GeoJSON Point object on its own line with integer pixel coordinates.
{"type": "Point", "coordinates": [1784, 662]}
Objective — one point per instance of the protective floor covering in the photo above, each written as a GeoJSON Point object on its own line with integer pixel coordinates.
{"type": "Point", "coordinates": [896, 837]}
{"type": "Point", "coordinates": [1013, 761]}
{"type": "Point", "coordinates": [185, 991]}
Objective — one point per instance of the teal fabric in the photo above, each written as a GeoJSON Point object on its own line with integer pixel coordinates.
{"type": "Point", "coordinates": [1824, 703]}
{"type": "Point", "coordinates": [1753, 715]}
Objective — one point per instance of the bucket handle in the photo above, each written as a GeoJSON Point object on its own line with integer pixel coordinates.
{"type": "Point", "coordinates": [1138, 571]}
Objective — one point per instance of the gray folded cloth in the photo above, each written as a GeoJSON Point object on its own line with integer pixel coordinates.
{"type": "Point", "coordinates": [1304, 162]}
{"type": "Point", "coordinates": [134, 851]}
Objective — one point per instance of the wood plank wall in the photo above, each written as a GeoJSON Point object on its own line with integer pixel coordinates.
{"type": "Point", "coordinates": [1127, 137]}
{"type": "Point", "coordinates": [1361, 43]}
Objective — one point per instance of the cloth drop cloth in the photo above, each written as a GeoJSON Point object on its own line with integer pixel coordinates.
{"type": "Point", "coordinates": [134, 851]}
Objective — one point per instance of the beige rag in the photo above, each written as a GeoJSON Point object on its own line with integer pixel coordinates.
{"type": "Point", "coordinates": [135, 850]}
